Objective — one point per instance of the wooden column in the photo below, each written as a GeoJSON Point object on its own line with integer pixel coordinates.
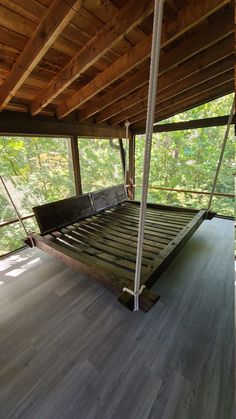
{"type": "Point", "coordinates": [131, 180]}
{"type": "Point", "coordinates": [122, 154]}
{"type": "Point", "coordinates": [76, 164]}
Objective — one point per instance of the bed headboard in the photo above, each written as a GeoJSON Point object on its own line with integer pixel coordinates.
{"type": "Point", "coordinates": [67, 211]}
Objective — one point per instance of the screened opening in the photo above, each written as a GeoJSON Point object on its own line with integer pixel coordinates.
{"type": "Point", "coordinates": [100, 163]}
{"type": "Point", "coordinates": [187, 160]}
{"type": "Point", "coordinates": [35, 170]}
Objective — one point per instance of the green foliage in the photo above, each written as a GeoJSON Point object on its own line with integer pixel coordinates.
{"type": "Point", "coordinates": [36, 171]}
{"type": "Point", "coordinates": [188, 160]}
{"type": "Point", "coordinates": [39, 170]}
{"type": "Point", "coordinates": [100, 164]}
{"type": "Point", "coordinates": [11, 238]}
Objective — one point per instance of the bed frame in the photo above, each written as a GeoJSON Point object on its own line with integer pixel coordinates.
{"type": "Point", "coordinates": [96, 234]}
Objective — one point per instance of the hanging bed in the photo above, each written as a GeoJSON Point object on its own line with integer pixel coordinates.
{"type": "Point", "coordinates": [96, 234]}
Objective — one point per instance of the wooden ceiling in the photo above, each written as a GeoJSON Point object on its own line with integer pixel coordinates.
{"type": "Point", "coordinates": [91, 57]}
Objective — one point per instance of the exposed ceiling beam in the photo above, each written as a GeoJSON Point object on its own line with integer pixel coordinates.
{"type": "Point", "coordinates": [193, 124]}
{"type": "Point", "coordinates": [123, 108]}
{"type": "Point", "coordinates": [190, 102]}
{"type": "Point", "coordinates": [121, 66]}
{"type": "Point", "coordinates": [111, 33]}
{"type": "Point", "coordinates": [188, 17]}
{"type": "Point", "coordinates": [191, 15]}
{"type": "Point", "coordinates": [139, 127]}
{"type": "Point", "coordinates": [57, 17]}
{"type": "Point", "coordinates": [183, 96]}
{"type": "Point", "coordinates": [139, 113]}
{"type": "Point", "coordinates": [24, 124]}
{"type": "Point", "coordinates": [124, 88]}
{"type": "Point", "coordinates": [214, 32]}
{"type": "Point", "coordinates": [181, 85]}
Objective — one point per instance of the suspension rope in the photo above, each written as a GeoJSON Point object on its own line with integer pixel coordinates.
{"type": "Point", "coordinates": [16, 210]}
{"type": "Point", "coordinates": [155, 55]}
{"type": "Point", "coordinates": [221, 155]}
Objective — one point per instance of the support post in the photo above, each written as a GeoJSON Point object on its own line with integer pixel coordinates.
{"type": "Point", "coordinates": [76, 164]}
{"type": "Point", "coordinates": [122, 155]}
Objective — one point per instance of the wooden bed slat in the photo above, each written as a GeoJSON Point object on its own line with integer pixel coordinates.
{"type": "Point", "coordinates": [120, 238]}
{"type": "Point", "coordinates": [132, 224]}
{"type": "Point", "coordinates": [97, 234]}
{"type": "Point", "coordinates": [132, 230]}
{"type": "Point", "coordinates": [114, 249]}
{"type": "Point", "coordinates": [121, 235]}
{"type": "Point", "coordinates": [113, 246]}
{"type": "Point", "coordinates": [134, 218]}
{"type": "Point", "coordinates": [86, 249]}
{"type": "Point", "coordinates": [158, 214]}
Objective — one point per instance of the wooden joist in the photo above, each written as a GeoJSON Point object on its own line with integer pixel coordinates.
{"type": "Point", "coordinates": [19, 21]}
{"type": "Point", "coordinates": [169, 84]}
{"type": "Point", "coordinates": [192, 14]}
{"type": "Point", "coordinates": [128, 86]}
{"type": "Point", "coordinates": [185, 21]}
{"type": "Point", "coordinates": [125, 19]}
{"type": "Point", "coordinates": [213, 33]}
{"type": "Point", "coordinates": [220, 51]}
{"type": "Point", "coordinates": [125, 63]}
{"type": "Point", "coordinates": [96, 59]}
{"type": "Point", "coordinates": [212, 76]}
{"type": "Point", "coordinates": [190, 102]}
{"type": "Point", "coordinates": [57, 17]}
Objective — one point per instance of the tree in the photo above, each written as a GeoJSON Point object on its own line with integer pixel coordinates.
{"type": "Point", "coordinates": [188, 159]}
{"type": "Point", "coordinates": [39, 170]}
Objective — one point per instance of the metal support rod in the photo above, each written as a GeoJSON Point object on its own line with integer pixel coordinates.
{"type": "Point", "coordinates": [14, 206]}
{"type": "Point", "coordinates": [221, 155]}
{"type": "Point", "coordinates": [155, 55]}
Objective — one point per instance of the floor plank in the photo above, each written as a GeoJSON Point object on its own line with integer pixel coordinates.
{"type": "Point", "coordinates": [68, 349]}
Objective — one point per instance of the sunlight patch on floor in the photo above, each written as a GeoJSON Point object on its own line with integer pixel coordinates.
{"type": "Point", "coordinates": [23, 268]}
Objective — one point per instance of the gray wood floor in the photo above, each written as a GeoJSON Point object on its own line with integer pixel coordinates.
{"type": "Point", "coordinates": [68, 349]}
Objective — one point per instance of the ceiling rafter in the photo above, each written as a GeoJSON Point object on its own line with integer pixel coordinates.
{"type": "Point", "coordinates": [220, 29]}
{"type": "Point", "coordinates": [189, 103]}
{"type": "Point", "coordinates": [220, 82]}
{"type": "Point", "coordinates": [186, 81]}
{"type": "Point", "coordinates": [118, 92]}
{"type": "Point", "coordinates": [56, 19]}
{"type": "Point", "coordinates": [197, 46]}
{"type": "Point", "coordinates": [123, 21]}
{"type": "Point", "coordinates": [187, 17]}
{"type": "Point", "coordinates": [191, 15]}
{"type": "Point", "coordinates": [125, 63]}
{"type": "Point", "coordinates": [189, 86]}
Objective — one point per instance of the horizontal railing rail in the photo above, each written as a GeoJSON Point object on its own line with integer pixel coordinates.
{"type": "Point", "coordinates": [15, 220]}
{"type": "Point", "coordinates": [189, 191]}
{"type": "Point", "coordinates": [219, 194]}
